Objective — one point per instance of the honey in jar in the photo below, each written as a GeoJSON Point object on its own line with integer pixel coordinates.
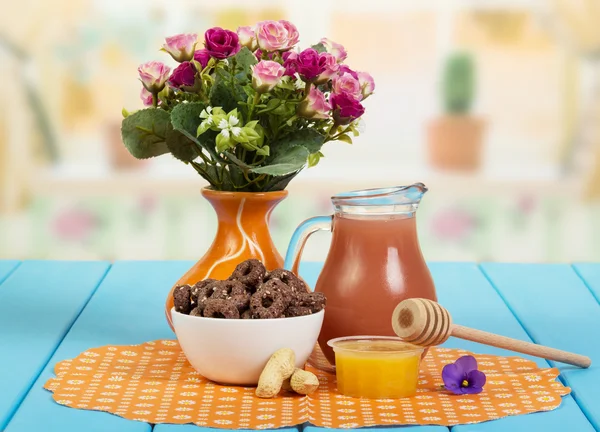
{"type": "Point", "coordinates": [376, 367]}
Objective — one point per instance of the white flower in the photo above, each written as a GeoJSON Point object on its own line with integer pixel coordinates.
{"type": "Point", "coordinates": [228, 127]}
{"type": "Point", "coordinates": [206, 114]}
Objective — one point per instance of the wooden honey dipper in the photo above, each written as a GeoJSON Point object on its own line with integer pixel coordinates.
{"type": "Point", "coordinates": [426, 323]}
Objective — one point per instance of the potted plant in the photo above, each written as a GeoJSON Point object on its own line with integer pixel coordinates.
{"type": "Point", "coordinates": [455, 139]}
{"type": "Point", "coordinates": [248, 111]}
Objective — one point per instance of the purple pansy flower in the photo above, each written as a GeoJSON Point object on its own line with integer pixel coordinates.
{"type": "Point", "coordinates": [462, 376]}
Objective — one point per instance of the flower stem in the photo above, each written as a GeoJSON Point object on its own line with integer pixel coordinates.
{"type": "Point", "coordinates": [306, 90]}
{"type": "Point", "coordinates": [254, 103]}
{"type": "Point", "coordinates": [154, 99]}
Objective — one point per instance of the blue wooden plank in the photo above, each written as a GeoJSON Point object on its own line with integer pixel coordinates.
{"type": "Point", "coordinates": [472, 301]}
{"type": "Point", "coordinates": [38, 304]}
{"type": "Point", "coordinates": [194, 428]}
{"type": "Point", "coordinates": [6, 268]}
{"type": "Point", "coordinates": [557, 309]}
{"type": "Point", "coordinates": [127, 308]}
{"type": "Point", "coordinates": [590, 273]}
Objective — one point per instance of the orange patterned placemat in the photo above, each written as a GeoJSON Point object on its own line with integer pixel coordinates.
{"type": "Point", "coordinates": [154, 383]}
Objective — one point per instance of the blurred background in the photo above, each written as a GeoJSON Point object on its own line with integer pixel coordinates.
{"type": "Point", "coordinates": [516, 179]}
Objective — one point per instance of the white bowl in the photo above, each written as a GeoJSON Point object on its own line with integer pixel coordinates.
{"type": "Point", "coordinates": [236, 351]}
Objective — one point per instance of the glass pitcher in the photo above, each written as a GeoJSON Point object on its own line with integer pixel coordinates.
{"type": "Point", "coordinates": [374, 261]}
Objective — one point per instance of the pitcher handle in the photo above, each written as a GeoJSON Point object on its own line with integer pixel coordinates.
{"type": "Point", "coordinates": [302, 233]}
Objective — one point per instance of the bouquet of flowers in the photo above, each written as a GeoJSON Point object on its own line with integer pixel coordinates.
{"type": "Point", "coordinates": [248, 111]}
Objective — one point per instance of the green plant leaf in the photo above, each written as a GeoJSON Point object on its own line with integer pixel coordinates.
{"type": "Point", "coordinates": [313, 159]}
{"type": "Point", "coordinates": [285, 163]}
{"type": "Point", "coordinates": [185, 118]}
{"type": "Point", "coordinates": [235, 177]}
{"type": "Point", "coordinates": [208, 172]}
{"type": "Point", "coordinates": [233, 158]}
{"type": "Point", "coordinates": [144, 133]}
{"type": "Point", "coordinates": [181, 146]}
{"type": "Point", "coordinates": [310, 139]}
{"type": "Point", "coordinates": [345, 138]}
{"type": "Point", "coordinates": [244, 60]}
{"type": "Point", "coordinates": [319, 47]}
{"type": "Point", "coordinates": [280, 183]}
{"type": "Point", "coordinates": [222, 96]}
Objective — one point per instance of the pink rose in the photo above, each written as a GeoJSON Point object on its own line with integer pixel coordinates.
{"type": "Point", "coordinates": [146, 97]}
{"type": "Point", "coordinates": [346, 84]}
{"type": "Point", "coordinates": [367, 83]}
{"type": "Point", "coordinates": [293, 35]}
{"type": "Point", "coordinates": [247, 37]}
{"type": "Point", "coordinates": [335, 49]}
{"type": "Point", "coordinates": [346, 109]}
{"type": "Point", "coordinates": [202, 56]}
{"type": "Point", "coordinates": [276, 35]}
{"type": "Point", "coordinates": [345, 69]}
{"type": "Point", "coordinates": [154, 75]}
{"type": "Point", "coordinates": [221, 43]}
{"type": "Point", "coordinates": [315, 106]}
{"type": "Point", "coordinates": [266, 74]}
{"type": "Point", "coordinates": [183, 75]}
{"type": "Point", "coordinates": [331, 67]}
{"type": "Point", "coordinates": [181, 46]}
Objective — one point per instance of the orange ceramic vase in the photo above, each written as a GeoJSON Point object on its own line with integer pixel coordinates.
{"type": "Point", "coordinates": [243, 233]}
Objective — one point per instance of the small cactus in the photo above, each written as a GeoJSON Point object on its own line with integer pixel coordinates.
{"type": "Point", "coordinates": [458, 85]}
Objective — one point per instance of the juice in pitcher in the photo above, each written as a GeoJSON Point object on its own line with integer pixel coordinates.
{"type": "Point", "coordinates": [374, 261]}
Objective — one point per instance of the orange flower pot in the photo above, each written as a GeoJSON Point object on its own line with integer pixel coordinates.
{"type": "Point", "coordinates": [455, 142]}
{"type": "Point", "coordinates": [242, 233]}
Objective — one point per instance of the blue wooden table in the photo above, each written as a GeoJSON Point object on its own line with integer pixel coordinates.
{"type": "Point", "coordinates": [52, 310]}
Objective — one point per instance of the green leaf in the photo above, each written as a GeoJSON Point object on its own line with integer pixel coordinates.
{"type": "Point", "coordinates": [202, 128]}
{"type": "Point", "coordinates": [319, 47]}
{"type": "Point", "coordinates": [285, 163]}
{"type": "Point", "coordinates": [144, 133]}
{"type": "Point", "coordinates": [181, 146]}
{"type": "Point", "coordinates": [185, 118]}
{"type": "Point", "coordinates": [223, 143]}
{"type": "Point", "coordinates": [280, 183]}
{"type": "Point", "coordinates": [263, 151]}
{"type": "Point", "coordinates": [236, 175]}
{"type": "Point", "coordinates": [314, 159]}
{"type": "Point", "coordinates": [208, 172]}
{"type": "Point", "coordinates": [244, 60]}
{"type": "Point", "coordinates": [345, 138]}
{"type": "Point", "coordinates": [311, 139]}
{"type": "Point", "coordinates": [221, 95]}
{"type": "Point", "coordinates": [233, 158]}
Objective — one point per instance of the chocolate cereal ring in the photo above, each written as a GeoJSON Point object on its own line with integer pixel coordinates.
{"type": "Point", "coordinates": [199, 290]}
{"type": "Point", "coordinates": [182, 299]}
{"type": "Point", "coordinates": [220, 308]}
{"type": "Point", "coordinates": [250, 272]}
{"type": "Point", "coordinates": [247, 314]}
{"type": "Point", "coordinates": [288, 278]}
{"type": "Point", "coordinates": [204, 290]}
{"type": "Point", "coordinates": [315, 301]}
{"type": "Point", "coordinates": [277, 285]}
{"type": "Point", "coordinates": [266, 304]}
{"type": "Point", "coordinates": [295, 311]}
